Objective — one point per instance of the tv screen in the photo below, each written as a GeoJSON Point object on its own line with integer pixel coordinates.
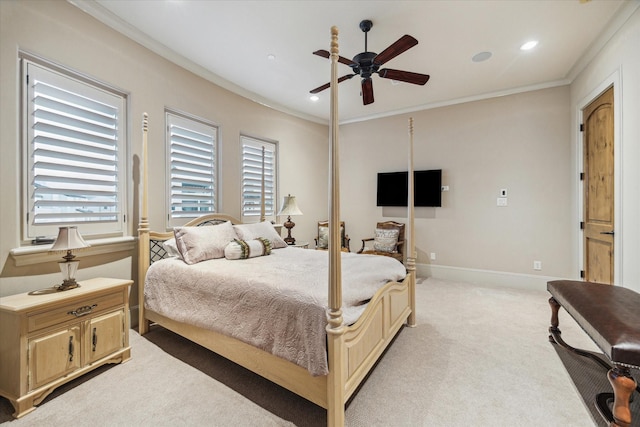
{"type": "Point", "coordinates": [392, 188]}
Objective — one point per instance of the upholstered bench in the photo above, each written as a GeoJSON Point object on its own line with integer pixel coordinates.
{"type": "Point", "coordinates": [610, 315]}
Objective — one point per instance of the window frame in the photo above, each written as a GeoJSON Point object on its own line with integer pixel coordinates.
{"type": "Point", "coordinates": [81, 85]}
{"type": "Point", "coordinates": [193, 124]}
{"type": "Point", "coordinates": [258, 143]}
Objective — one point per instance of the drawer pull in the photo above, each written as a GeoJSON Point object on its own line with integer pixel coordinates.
{"type": "Point", "coordinates": [94, 339]}
{"type": "Point", "coordinates": [71, 349]}
{"type": "Point", "coordinates": [83, 311]}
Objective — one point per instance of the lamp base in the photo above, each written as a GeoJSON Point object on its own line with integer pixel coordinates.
{"type": "Point", "coordinates": [289, 225]}
{"type": "Point", "coordinates": [68, 284]}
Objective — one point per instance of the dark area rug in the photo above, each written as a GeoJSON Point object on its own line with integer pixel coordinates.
{"type": "Point", "coordinates": [590, 379]}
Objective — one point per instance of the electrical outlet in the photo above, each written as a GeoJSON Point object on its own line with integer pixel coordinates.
{"type": "Point", "coordinates": [502, 201]}
{"type": "Point", "coordinates": [537, 265]}
{"type": "Point", "coordinates": [433, 256]}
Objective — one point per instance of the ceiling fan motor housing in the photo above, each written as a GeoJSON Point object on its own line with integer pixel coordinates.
{"type": "Point", "coordinates": [364, 64]}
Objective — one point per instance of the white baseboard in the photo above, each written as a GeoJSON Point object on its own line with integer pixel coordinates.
{"type": "Point", "coordinates": [485, 277]}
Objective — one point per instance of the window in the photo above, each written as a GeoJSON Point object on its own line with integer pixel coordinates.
{"type": "Point", "coordinates": [252, 177]}
{"type": "Point", "coordinates": [192, 167]}
{"type": "Point", "coordinates": [74, 153]}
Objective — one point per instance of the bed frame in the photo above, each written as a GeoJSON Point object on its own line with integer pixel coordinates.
{"type": "Point", "coordinates": [352, 350]}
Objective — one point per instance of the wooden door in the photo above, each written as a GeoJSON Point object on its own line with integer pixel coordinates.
{"type": "Point", "coordinates": [599, 189]}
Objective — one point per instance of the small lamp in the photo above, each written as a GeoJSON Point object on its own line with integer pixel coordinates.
{"type": "Point", "coordinates": [68, 240]}
{"type": "Point", "coordinates": [289, 207]}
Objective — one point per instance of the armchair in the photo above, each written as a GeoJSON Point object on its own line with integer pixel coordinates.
{"type": "Point", "coordinates": [388, 240]}
{"type": "Point", "coordinates": [322, 241]}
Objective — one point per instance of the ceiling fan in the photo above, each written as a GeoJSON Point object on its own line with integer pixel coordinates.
{"type": "Point", "coordinates": [367, 63]}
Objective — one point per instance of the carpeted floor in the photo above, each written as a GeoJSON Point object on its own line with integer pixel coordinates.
{"type": "Point", "coordinates": [478, 357]}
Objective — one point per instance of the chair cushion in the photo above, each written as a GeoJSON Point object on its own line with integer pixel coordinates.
{"type": "Point", "coordinates": [386, 240]}
{"type": "Point", "coordinates": [323, 236]}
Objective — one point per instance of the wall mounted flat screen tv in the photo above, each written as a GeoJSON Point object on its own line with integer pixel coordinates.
{"type": "Point", "coordinates": [392, 188]}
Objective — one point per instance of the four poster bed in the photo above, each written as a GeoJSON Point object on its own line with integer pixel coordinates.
{"type": "Point", "coordinates": [343, 331]}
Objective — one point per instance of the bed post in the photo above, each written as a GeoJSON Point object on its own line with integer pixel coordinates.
{"type": "Point", "coordinates": [335, 328]}
{"type": "Point", "coordinates": [262, 201]}
{"type": "Point", "coordinates": [411, 244]}
{"type": "Point", "coordinates": [143, 232]}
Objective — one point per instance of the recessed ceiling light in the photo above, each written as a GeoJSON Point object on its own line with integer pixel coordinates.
{"type": "Point", "coordinates": [529, 45]}
{"type": "Point", "coordinates": [271, 57]}
{"type": "Point", "coordinates": [314, 98]}
{"type": "Point", "coordinates": [482, 56]}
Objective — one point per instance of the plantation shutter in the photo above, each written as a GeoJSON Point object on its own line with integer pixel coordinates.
{"type": "Point", "coordinates": [252, 177]}
{"type": "Point", "coordinates": [192, 164]}
{"type": "Point", "coordinates": [75, 157]}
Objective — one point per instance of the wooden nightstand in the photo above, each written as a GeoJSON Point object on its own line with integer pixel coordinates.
{"type": "Point", "coordinates": [49, 338]}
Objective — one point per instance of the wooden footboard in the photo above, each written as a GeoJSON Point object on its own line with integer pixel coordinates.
{"type": "Point", "coordinates": [362, 343]}
{"type": "Point", "coordinates": [366, 340]}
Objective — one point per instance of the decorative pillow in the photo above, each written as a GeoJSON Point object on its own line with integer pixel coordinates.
{"type": "Point", "coordinates": [323, 236]}
{"type": "Point", "coordinates": [386, 239]}
{"type": "Point", "coordinates": [260, 229]}
{"type": "Point", "coordinates": [239, 249]}
{"type": "Point", "coordinates": [172, 248]}
{"type": "Point", "coordinates": [201, 243]}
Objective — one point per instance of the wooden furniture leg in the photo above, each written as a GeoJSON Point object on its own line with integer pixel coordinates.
{"type": "Point", "coordinates": [623, 386]}
{"type": "Point", "coordinates": [553, 329]}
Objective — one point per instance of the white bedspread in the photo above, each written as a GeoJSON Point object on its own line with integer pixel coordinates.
{"type": "Point", "coordinates": [277, 303]}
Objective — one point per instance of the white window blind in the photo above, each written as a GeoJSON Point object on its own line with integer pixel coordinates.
{"type": "Point", "coordinates": [252, 177]}
{"type": "Point", "coordinates": [192, 168]}
{"type": "Point", "coordinates": [75, 154]}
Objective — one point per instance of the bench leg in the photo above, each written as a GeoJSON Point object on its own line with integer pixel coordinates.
{"type": "Point", "coordinates": [623, 386]}
{"type": "Point", "coordinates": [553, 329]}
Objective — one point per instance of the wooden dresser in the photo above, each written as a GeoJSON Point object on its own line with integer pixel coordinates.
{"type": "Point", "coordinates": [48, 338]}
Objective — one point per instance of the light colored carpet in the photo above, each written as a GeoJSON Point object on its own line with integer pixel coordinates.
{"type": "Point", "coordinates": [478, 357]}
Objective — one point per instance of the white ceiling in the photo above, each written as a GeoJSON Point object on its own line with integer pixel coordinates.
{"type": "Point", "coordinates": [228, 42]}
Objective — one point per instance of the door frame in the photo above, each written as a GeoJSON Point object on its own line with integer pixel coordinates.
{"type": "Point", "coordinates": [615, 81]}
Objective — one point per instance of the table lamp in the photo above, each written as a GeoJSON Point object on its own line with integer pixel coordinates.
{"type": "Point", "coordinates": [289, 207]}
{"type": "Point", "coordinates": [68, 240]}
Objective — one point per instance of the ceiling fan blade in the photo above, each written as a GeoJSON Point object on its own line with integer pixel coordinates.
{"type": "Point", "coordinates": [328, 85]}
{"type": "Point", "coordinates": [404, 76]}
{"type": "Point", "coordinates": [404, 43]}
{"type": "Point", "coordinates": [342, 59]}
{"type": "Point", "coordinates": [367, 91]}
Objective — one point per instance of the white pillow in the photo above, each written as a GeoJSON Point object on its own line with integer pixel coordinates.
{"type": "Point", "coordinates": [172, 248]}
{"type": "Point", "coordinates": [386, 240]}
{"type": "Point", "coordinates": [239, 249]}
{"type": "Point", "coordinates": [260, 229]}
{"type": "Point", "coordinates": [206, 242]}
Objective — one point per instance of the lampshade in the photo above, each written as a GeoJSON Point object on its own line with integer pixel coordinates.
{"type": "Point", "coordinates": [289, 206]}
{"type": "Point", "coordinates": [69, 239]}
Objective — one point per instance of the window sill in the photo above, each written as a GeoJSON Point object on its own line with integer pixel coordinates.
{"type": "Point", "coordinates": [29, 255]}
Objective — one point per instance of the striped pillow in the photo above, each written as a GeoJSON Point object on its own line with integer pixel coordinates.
{"type": "Point", "coordinates": [241, 249]}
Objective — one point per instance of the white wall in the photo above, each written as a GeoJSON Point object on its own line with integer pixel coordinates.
{"type": "Point", "coordinates": [526, 143]}
{"type": "Point", "coordinates": [60, 32]}
{"type": "Point", "coordinates": [618, 64]}
{"type": "Point", "coordinates": [519, 142]}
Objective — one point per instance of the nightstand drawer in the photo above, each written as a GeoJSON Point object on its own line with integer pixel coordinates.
{"type": "Point", "coordinates": [70, 312]}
